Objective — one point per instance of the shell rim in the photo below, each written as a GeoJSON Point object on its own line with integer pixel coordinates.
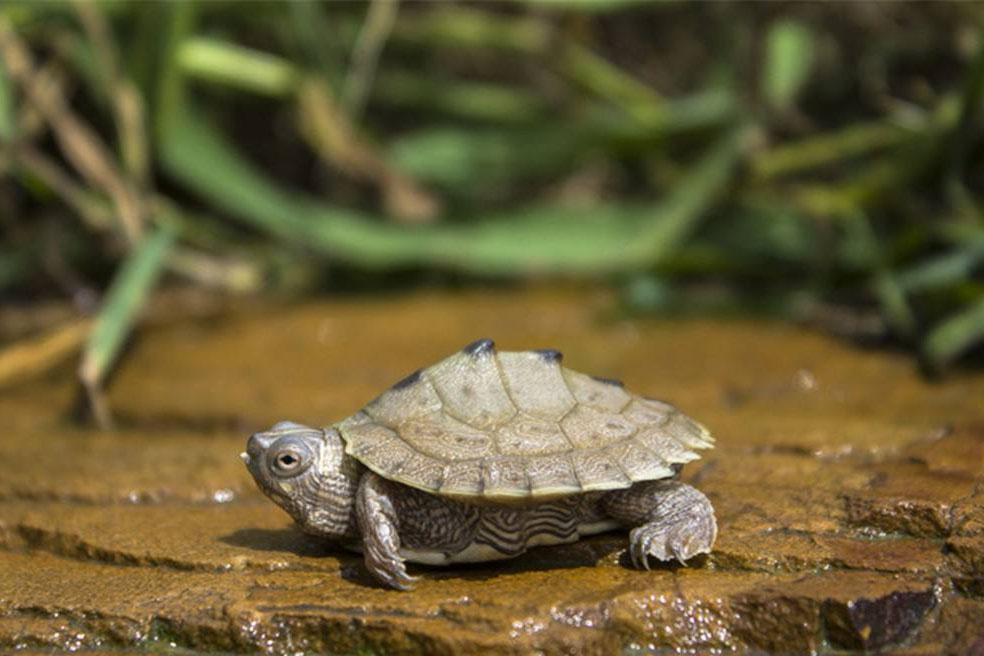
{"type": "Point", "coordinates": [512, 494]}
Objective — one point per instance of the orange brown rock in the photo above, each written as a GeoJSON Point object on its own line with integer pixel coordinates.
{"type": "Point", "coordinates": [848, 491]}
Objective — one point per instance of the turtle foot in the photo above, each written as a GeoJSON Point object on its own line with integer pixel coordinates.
{"type": "Point", "coordinates": [681, 526]}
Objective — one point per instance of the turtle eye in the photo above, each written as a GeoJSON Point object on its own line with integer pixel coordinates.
{"type": "Point", "coordinates": [289, 456]}
{"type": "Point", "coordinates": [287, 461]}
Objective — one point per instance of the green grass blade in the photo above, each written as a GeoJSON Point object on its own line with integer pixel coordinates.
{"type": "Point", "coordinates": [8, 124]}
{"type": "Point", "coordinates": [233, 65]}
{"type": "Point", "coordinates": [943, 270]}
{"type": "Point", "coordinates": [464, 161]}
{"type": "Point", "coordinates": [215, 61]}
{"type": "Point", "coordinates": [788, 60]}
{"type": "Point", "coordinates": [607, 81]}
{"type": "Point", "coordinates": [894, 303]}
{"type": "Point", "coordinates": [828, 148]}
{"type": "Point", "coordinates": [198, 157]}
{"type": "Point", "coordinates": [539, 239]}
{"type": "Point", "coordinates": [448, 25]}
{"type": "Point", "coordinates": [169, 94]}
{"type": "Point", "coordinates": [126, 296]}
{"type": "Point", "coordinates": [689, 201]}
{"type": "Point", "coordinates": [954, 336]}
{"type": "Point", "coordinates": [481, 101]}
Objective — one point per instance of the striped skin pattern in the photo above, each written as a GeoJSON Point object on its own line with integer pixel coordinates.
{"type": "Point", "coordinates": [671, 520]}
{"type": "Point", "coordinates": [321, 495]}
{"type": "Point", "coordinates": [441, 531]}
{"type": "Point", "coordinates": [437, 530]}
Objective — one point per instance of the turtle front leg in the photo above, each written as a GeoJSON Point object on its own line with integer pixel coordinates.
{"type": "Point", "coordinates": [380, 529]}
{"type": "Point", "coordinates": [670, 520]}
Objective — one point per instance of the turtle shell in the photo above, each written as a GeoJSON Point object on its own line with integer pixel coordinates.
{"type": "Point", "coordinates": [507, 426]}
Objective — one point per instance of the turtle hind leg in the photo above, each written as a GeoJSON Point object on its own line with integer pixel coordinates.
{"type": "Point", "coordinates": [669, 520]}
{"type": "Point", "coordinates": [379, 525]}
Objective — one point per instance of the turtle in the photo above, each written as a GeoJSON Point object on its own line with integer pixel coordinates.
{"type": "Point", "coordinates": [484, 455]}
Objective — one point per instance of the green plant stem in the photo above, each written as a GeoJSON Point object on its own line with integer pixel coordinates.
{"type": "Point", "coordinates": [129, 291]}
{"type": "Point", "coordinates": [825, 149]}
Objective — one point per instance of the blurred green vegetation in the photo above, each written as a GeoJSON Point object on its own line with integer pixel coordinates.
{"type": "Point", "coordinates": [822, 162]}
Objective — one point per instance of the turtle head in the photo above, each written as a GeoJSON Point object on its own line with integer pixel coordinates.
{"type": "Point", "coordinates": [305, 471]}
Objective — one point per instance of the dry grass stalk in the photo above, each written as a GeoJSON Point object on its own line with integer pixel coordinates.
{"type": "Point", "coordinates": [333, 136]}
{"type": "Point", "coordinates": [34, 355]}
{"type": "Point", "coordinates": [79, 143]}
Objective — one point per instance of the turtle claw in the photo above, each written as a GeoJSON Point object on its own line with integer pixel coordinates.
{"type": "Point", "coordinates": [664, 543]}
{"type": "Point", "coordinates": [648, 540]}
{"type": "Point", "coordinates": [682, 532]}
{"type": "Point", "coordinates": [390, 570]}
{"type": "Point", "coordinates": [396, 577]}
{"type": "Point", "coordinates": [401, 580]}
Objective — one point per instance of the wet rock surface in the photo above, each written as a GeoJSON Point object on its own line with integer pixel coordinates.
{"type": "Point", "coordinates": [848, 493]}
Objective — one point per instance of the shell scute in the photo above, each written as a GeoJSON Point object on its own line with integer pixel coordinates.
{"type": "Point", "coordinates": [505, 476]}
{"type": "Point", "coordinates": [689, 433]}
{"type": "Point", "coordinates": [404, 400]}
{"type": "Point", "coordinates": [595, 470]}
{"type": "Point", "coordinates": [535, 383]}
{"type": "Point", "coordinates": [524, 435]}
{"type": "Point", "coordinates": [472, 390]}
{"type": "Point", "coordinates": [638, 462]}
{"type": "Point", "coordinates": [645, 412]}
{"type": "Point", "coordinates": [463, 479]}
{"type": "Point", "coordinates": [552, 474]}
{"type": "Point", "coordinates": [425, 472]}
{"type": "Point", "coordinates": [375, 443]}
{"type": "Point", "coordinates": [595, 393]}
{"type": "Point", "coordinates": [446, 438]}
{"type": "Point", "coordinates": [589, 428]}
{"type": "Point", "coordinates": [657, 440]}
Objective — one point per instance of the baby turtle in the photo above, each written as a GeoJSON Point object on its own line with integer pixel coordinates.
{"type": "Point", "coordinates": [484, 455]}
